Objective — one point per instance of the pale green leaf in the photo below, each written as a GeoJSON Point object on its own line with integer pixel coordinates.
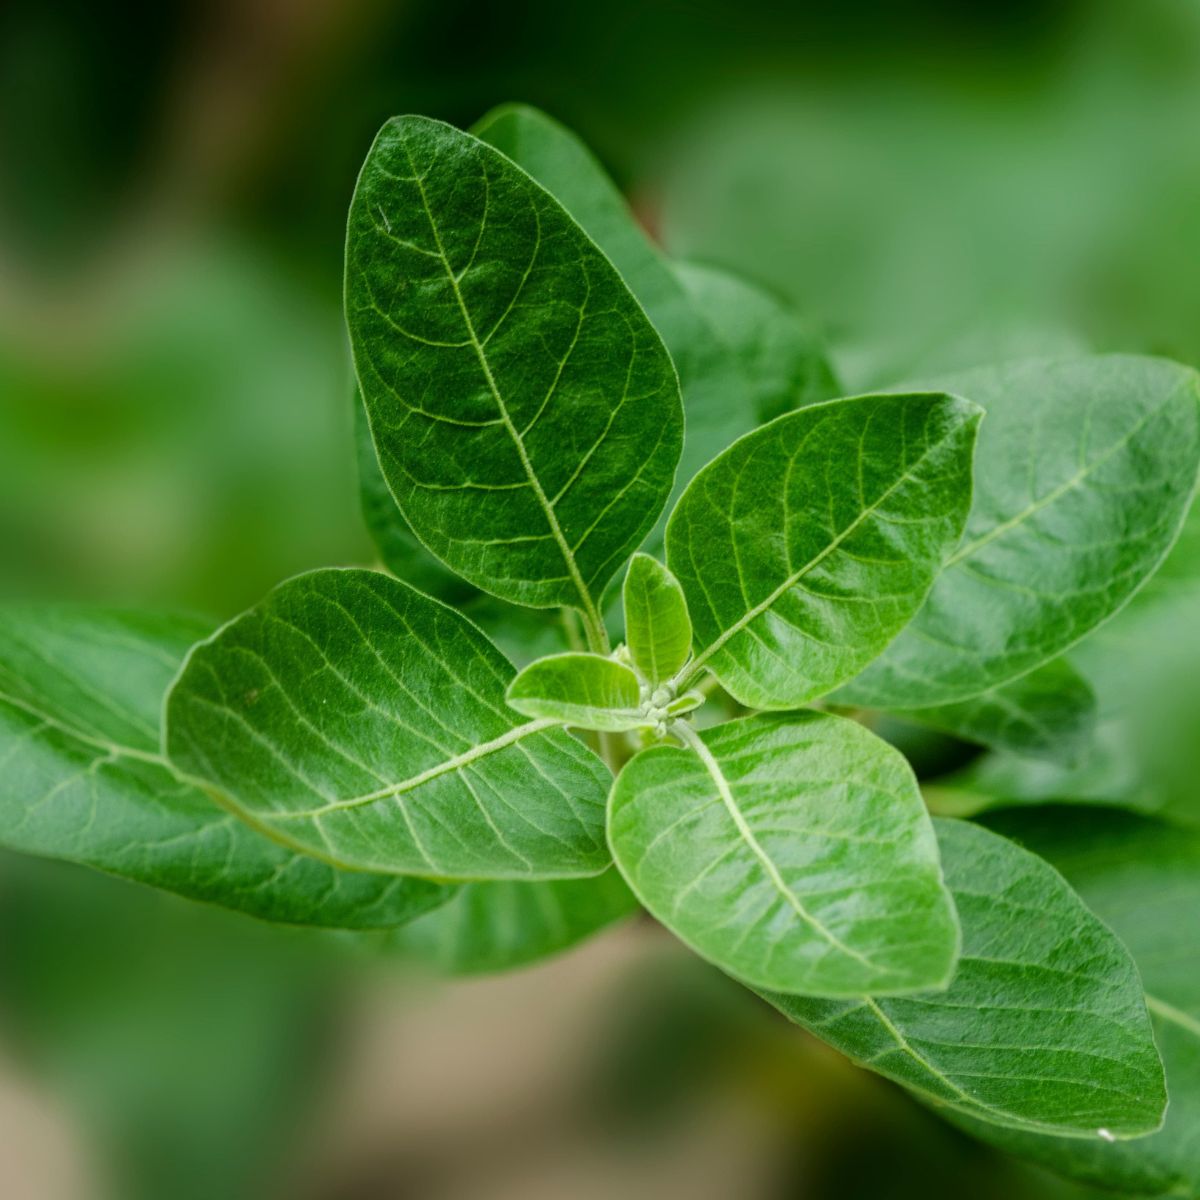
{"type": "Point", "coordinates": [658, 630]}
{"type": "Point", "coordinates": [793, 851]}
{"type": "Point", "coordinates": [1142, 877]}
{"type": "Point", "coordinates": [80, 702]}
{"type": "Point", "coordinates": [1049, 713]}
{"type": "Point", "coordinates": [732, 373]}
{"type": "Point", "coordinates": [525, 411]}
{"type": "Point", "coordinates": [809, 544]}
{"type": "Point", "coordinates": [585, 690]}
{"type": "Point", "coordinates": [362, 722]}
{"type": "Point", "coordinates": [780, 357]}
{"type": "Point", "coordinates": [499, 926]}
{"type": "Point", "coordinates": [1084, 474]}
{"type": "Point", "coordinates": [1044, 1026]}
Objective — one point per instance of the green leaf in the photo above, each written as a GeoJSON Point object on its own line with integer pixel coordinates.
{"type": "Point", "coordinates": [1084, 475]}
{"type": "Point", "coordinates": [1044, 1026]}
{"type": "Point", "coordinates": [80, 704]}
{"type": "Point", "coordinates": [658, 629]}
{"type": "Point", "coordinates": [584, 690]}
{"type": "Point", "coordinates": [1049, 713]}
{"type": "Point", "coordinates": [356, 719]}
{"type": "Point", "coordinates": [525, 411]}
{"type": "Point", "coordinates": [499, 926]}
{"type": "Point", "coordinates": [1142, 877]}
{"type": "Point", "coordinates": [731, 373]}
{"type": "Point", "coordinates": [793, 851]}
{"type": "Point", "coordinates": [399, 549]}
{"type": "Point", "coordinates": [808, 544]}
{"type": "Point", "coordinates": [780, 357]}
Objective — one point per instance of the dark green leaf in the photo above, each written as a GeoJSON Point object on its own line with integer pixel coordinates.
{"type": "Point", "coordinates": [780, 358]}
{"type": "Point", "coordinates": [398, 547]}
{"type": "Point", "coordinates": [658, 630]}
{"type": "Point", "coordinates": [526, 413]}
{"type": "Point", "coordinates": [360, 721]}
{"type": "Point", "coordinates": [808, 544]}
{"type": "Point", "coordinates": [1084, 475]}
{"type": "Point", "coordinates": [80, 703]}
{"type": "Point", "coordinates": [1141, 877]}
{"type": "Point", "coordinates": [1049, 713]}
{"type": "Point", "coordinates": [1044, 1026]}
{"type": "Point", "coordinates": [793, 851]}
{"type": "Point", "coordinates": [499, 926]}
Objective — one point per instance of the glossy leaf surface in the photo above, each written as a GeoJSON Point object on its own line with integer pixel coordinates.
{"type": "Point", "coordinates": [80, 704]}
{"type": "Point", "coordinates": [1142, 878]}
{"type": "Point", "coordinates": [1084, 474]}
{"type": "Point", "coordinates": [585, 690]}
{"type": "Point", "coordinates": [525, 411]}
{"type": "Point", "coordinates": [658, 630]}
{"type": "Point", "coordinates": [793, 851]}
{"type": "Point", "coordinates": [1044, 1026]}
{"type": "Point", "coordinates": [499, 926]}
{"type": "Point", "coordinates": [808, 544]}
{"type": "Point", "coordinates": [365, 723]}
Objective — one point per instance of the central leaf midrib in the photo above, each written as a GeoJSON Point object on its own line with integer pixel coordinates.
{"type": "Point", "coordinates": [535, 483]}
{"type": "Point", "coordinates": [459, 761]}
{"type": "Point", "coordinates": [713, 767]}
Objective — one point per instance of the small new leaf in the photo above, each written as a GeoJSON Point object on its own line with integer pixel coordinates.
{"type": "Point", "coordinates": [588, 691]}
{"type": "Point", "coordinates": [356, 719]}
{"type": "Point", "coordinates": [658, 630]}
{"type": "Point", "coordinates": [810, 543]}
{"type": "Point", "coordinates": [1044, 1027]}
{"type": "Point", "coordinates": [793, 851]}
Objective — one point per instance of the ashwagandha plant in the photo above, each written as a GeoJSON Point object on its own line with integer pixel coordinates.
{"type": "Point", "coordinates": [718, 576]}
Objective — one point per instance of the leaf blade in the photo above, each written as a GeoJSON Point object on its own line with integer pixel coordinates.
{"type": "Point", "coordinates": [814, 830]}
{"type": "Point", "coordinates": [80, 701]}
{"type": "Point", "coordinates": [1071, 452]}
{"type": "Point", "coordinates": [795, 582]}
{"type": "Point", "coordinates": [1039, 965]}
{"type": "Point", "coordinates": [405, 758]}
{"type": "Point", "coordinates": [536, 423]}
{"type": "Point", "coordinates": [500, 926]}
{"type": "Point", "coordinates": [588, 691]}
{"type": "Point", "coordinates": [658, 630]}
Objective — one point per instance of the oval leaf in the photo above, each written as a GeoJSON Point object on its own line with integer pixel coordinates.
{"type": "Point", "coordinates": [356, 719]}
{"type": "Point", "coordinates": [499, 926]}
{"type": "Point", "coordinates": [1139, 876]}
{"type": "Point", "coordinates": [809, 544]}
{"type": "Point", "coordinates": [585, 690]}
{"type": "Point", "coordinates": [1044, 1026]}
{"type": "Point", "coordinates": [793, 851]}
{"type": "Point", "coordinates": [80, 704]}
{"type": "Point", "coordinates": [658, 630]}
{"type": "Point", "coordinates": [1084, 475]}
{"type": "Point", "coordinates": [526, 413]}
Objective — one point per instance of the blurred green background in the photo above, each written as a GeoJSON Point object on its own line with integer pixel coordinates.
{"type": "Point", "coordinates": [930, 182]}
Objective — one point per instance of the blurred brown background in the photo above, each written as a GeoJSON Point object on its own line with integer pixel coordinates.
{"type": "Point", "coordinates": [175, 429]}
